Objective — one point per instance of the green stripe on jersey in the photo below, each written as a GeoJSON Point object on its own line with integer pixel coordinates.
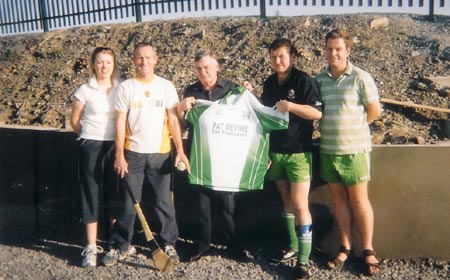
{"type": "Point", "coordinates": [230, 142]}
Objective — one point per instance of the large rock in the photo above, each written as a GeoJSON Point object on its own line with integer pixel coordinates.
{"type": "Point", "coordinates": [441, 84]}
{"type": "Point", "coordinates": [379, 23]}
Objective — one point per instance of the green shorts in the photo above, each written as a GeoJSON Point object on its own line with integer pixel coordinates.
{"type": "Point", "coordinates": [296, 168]}
{"type": "Point", "coordinates": [347, 169]}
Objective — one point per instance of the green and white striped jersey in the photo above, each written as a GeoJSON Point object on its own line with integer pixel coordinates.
{"type": "Point", "coordinates": [230, 144]}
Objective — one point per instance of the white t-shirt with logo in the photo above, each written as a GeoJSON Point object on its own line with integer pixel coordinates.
{"type": "Point", "coordinates": [146, 103]}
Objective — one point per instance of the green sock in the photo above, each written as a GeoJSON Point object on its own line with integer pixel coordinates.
{"type": "Point", "coordinates": [304, 234]}
{"type": "Point", "coordinates": [290, 224]}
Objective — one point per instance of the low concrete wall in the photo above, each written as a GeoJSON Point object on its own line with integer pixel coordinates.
{"type": "Point", "coordinates": [410, 195]}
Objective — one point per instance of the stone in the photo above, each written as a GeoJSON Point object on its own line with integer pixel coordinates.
{"type": "Point", "coordinates": [379, 23]}
{"type": "Point", "coordinates": [445, 54]}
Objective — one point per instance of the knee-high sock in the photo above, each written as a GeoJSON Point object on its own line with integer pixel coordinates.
{"type": "Point", "coordinates": [304, 235]}
{"type": "Point", "coordinates": [290, 226]}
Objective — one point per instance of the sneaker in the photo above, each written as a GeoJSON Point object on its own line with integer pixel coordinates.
{"type": "Point", "coordinates": [112, 256]}
{"type": "Point", "coordinates": [171, 252]}
{"type": "Point", "coordinates": [288, 255]}
{"type": "Point", "coordinates": [129, 252]}
{"type": "Point", "coordinates": [90, 255]}
{"type": "Point", "coordinates": [116, 254]}
{"type": "Point", "coordinates": [302, 271]}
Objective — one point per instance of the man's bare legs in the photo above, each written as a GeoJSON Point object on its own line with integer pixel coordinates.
{"type": "Point", "coordinates": [342, 216]}
{"type": "Point", "coordinates": [352, 207]}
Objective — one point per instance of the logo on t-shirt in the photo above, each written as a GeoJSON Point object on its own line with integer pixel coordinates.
{"type": "Point", "coordinates": [147, 93]}
{"type": "Point", "coordinates": [291, 94]}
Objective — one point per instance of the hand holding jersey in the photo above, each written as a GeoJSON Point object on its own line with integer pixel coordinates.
{"type": "Point", "coordinates": [240, 125]}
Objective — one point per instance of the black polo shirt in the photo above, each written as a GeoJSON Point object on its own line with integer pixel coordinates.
{"type": "Point", "coordinates": [199, 92]}
{"type": "Point", "coordinates": [299, 88]}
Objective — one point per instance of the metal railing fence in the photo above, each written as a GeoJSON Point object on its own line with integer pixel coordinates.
{"type": "Point", "coordinates": [25, 16]}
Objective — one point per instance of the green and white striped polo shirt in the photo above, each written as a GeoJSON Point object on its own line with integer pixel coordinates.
{"type": "Point", "coordinates": [343, 127]}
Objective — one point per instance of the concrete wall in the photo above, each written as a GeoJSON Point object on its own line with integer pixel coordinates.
{"type": "Point", "coordinates": [410, 194]}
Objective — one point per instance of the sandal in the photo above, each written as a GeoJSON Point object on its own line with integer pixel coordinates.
{"type": "Point", "coordinates": [371, 268]}
{"type": "Point", "coordinates": [336, 263]}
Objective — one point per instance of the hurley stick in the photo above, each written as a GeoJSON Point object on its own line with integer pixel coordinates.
{"type": "Point", "coordinates": [161, 260]}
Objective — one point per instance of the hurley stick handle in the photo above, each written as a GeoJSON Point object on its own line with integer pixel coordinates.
{"type": "Point", "coordinates": [145, 227]}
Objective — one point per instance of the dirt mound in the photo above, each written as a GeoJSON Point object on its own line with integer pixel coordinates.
{"type": "Point", "coordinates": [40, 72]}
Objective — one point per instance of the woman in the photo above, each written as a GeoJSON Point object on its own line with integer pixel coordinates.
{"type": "Point", "coordinates": [93, 119]}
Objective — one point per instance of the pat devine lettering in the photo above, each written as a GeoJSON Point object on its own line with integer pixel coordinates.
{"type": "Point", "coordinates": [230, 129]}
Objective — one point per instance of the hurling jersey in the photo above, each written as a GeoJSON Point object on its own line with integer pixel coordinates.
{"type": "Point", "coordinates": [230, 144]}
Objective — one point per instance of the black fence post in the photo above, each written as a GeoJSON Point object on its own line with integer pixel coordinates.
{"type": "Point", "coordinates": [431, 16]}
{"type": "Point", "coordinates": [138, 10]}
{"type": "Point", "coordinates": [43, 15]}
{"type": "Point", "coordinates": [262, 8]}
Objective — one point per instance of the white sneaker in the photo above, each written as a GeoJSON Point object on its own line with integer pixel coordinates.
{"type": "Point", "coordinates": [171, 252]}
{"type": "Point", "coordinates": [90, 255]}
{"type": "Point", "coordinates": [288, 255]}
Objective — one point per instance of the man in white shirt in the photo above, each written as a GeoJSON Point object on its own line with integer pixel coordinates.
{"type": "Point", "coordinates": [146, 118]}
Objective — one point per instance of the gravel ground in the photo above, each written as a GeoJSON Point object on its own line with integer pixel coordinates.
{"type": "Point", "coordinates": [30, 258]}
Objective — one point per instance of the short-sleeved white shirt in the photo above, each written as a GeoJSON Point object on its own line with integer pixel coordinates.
{"type": "Point", "coordinates": [99, 116]}
{"type": "Point", "coordinates": [146, 103]}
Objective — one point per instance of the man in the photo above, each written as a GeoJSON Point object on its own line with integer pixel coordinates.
{"type": "Point", "coordinates": [351, 103]}
{"type": "Point", "coordinates": [294, 91]}
{"type": "Point", "coordinates": [210, 87]}
{"type": "Point", "coordinates": [146, 114]}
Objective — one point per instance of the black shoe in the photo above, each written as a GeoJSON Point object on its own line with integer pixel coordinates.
{"type": "Point", "coordinates": [197, 255]}
{"type": "Point", "coordinates": [302, 271]}
{"type": "Point", "coordinates": [239, 255]}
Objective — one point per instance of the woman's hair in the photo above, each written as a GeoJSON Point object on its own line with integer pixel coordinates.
{"type": "Point", "coordinates": [340, 33]}
{"type": "Point", "coordinates": [104, 50]}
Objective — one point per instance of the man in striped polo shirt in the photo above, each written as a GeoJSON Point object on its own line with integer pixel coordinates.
{"type": "Point", "coordinates": [351, 102]}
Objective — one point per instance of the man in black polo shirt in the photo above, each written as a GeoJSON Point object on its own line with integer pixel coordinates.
{"type": "Point", "coordinates": [210, 87]}
{"type": "Point", "coordinates": [291, 90]}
